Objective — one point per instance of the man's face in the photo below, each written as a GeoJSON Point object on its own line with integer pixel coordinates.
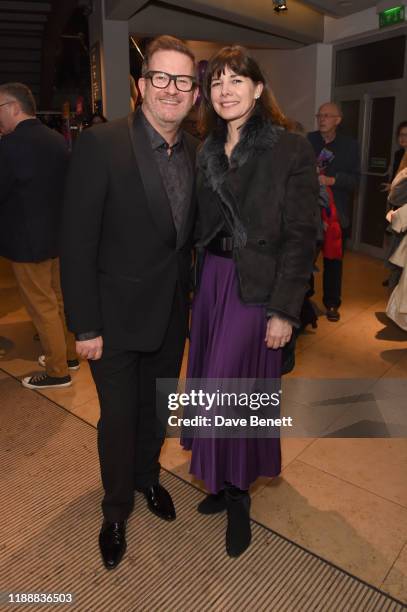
{"type": "Point", "coordinates": [8, 110]}
{"type": "Point", "coordinates": [328, 118]}
{"type": "Point", "coordinates": [167, 107]}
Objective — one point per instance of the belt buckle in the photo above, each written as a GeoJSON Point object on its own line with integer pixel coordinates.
{"type": "Point", "coordinates": [226, 243]}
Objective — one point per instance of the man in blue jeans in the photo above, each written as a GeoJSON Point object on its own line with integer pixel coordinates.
{"type": "Point", "coordinates": [342, 175]}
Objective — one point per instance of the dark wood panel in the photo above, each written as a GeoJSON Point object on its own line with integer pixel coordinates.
{"type": "Point", "coordinates": [19, 66]}
{"type": "Point", "coordinates": [17, 17]}
{"type": "Point", "coordinates": [22, 77]}
{"type": "Point", "coordinates": [24, 55]}
{"type": "Point", "coordinates": [20, 41]}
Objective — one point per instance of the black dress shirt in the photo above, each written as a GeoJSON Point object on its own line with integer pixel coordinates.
{"type": "Point", "coordinates": [175, 170]}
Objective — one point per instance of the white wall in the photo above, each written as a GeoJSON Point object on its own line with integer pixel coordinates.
{"type": "Point", "coordinates": [292, 76]}
{"type": "Point", "coordinates": [323, 70]}
{"type": "Point", "coordinates": [359, 24]}
{"type": "Point", "coordinates": [203, 50]}
{"type": "Point", "coordinates": [352, 25]}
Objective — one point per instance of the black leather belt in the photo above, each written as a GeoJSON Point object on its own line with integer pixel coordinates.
{"type": "Point", "coordinates": [221, 246]}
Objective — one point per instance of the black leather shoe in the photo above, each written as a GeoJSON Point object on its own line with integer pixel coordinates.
{"type": "Point", "coordinates": [112, 543]}
{"type": "Point", "coordinates": [159, 502]}
{"type": "Point", "coordinates": [332, 314]}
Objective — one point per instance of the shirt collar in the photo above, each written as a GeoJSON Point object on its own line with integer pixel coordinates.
{"type": "Point", "coordinates": [157, 141]}
{"type": "Point", "coordinates": [331, 142]}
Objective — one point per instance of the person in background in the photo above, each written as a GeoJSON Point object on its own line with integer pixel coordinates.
{"type": "Point", "coordinates": [257, 205]}
{"type": "Point", "coordinates": [393, 241]}
{"type": "Point", "coordinates": [401, 152]}
{"type": "Point", "coordinates": [33, 163]}
{"type": "Point", "coordinates": [341, 171]}
{"type": "Point", "coordinates": [397, 306]}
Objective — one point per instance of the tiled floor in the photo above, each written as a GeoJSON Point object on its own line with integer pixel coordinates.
{"type": "Point", "coordinates": [345, 499]}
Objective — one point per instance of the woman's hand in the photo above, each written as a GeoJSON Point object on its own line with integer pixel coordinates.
{"type": "Point", "coordinates": [278, 332]}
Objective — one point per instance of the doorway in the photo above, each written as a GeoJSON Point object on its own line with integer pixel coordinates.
{"type": "Point", "coordinates": [371, 112]}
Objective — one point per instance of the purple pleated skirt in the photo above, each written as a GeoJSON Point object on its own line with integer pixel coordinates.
{"type": "Point", "coordinates": [227, 341]}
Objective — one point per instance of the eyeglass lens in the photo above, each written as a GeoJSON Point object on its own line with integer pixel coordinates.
{"type": "Point", "coordinates": [163, 79]}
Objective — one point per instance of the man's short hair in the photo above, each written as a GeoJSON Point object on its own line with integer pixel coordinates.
{"type": "Point", "coordinates": [22, 94]}
{"type": "Point", "coordinates": [336, 104]}
{"type": "Point", "coordinates": [165, 43]}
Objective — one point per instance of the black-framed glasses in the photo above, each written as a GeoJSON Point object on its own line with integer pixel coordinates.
{"type": "Point", "coordinates": [161, 80]}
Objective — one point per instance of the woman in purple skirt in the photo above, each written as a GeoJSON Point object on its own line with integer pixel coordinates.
{"type": "Point", "coordinates": [257, 210]}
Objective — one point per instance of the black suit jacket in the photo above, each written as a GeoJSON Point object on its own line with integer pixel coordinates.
{"type": "Point", "coordinates": [33, 163]}
{"type": "Point", "coordinates": [121, 259]}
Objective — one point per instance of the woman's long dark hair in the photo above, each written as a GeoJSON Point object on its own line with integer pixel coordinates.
{"type": "Point", "coordinates": [238, 60]}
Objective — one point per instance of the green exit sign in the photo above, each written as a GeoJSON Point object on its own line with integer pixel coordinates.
{"type": "Point", "coordinates": [392, 16]}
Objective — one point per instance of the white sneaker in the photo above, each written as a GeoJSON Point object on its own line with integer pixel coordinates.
{"type": "Point", "coordinates": [73, 364]}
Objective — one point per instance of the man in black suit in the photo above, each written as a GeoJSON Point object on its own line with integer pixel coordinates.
{"type": "Point", "coordinates": [33, 163]}
{"type": "Point", "coordinates": [126, 255]}
{"type": "Point", "coordinates": [342, 175]}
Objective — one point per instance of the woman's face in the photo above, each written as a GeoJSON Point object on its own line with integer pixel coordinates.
{"type": "Point", "coordinates": [233, 96]}
{"type": "Point", "coordinates": [403, 138]}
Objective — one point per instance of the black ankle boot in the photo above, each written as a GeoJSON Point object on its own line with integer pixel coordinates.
{"type": "Point", "coordinates": [238, 532]}
{"type": "Point", "coordinates": [213, 503]}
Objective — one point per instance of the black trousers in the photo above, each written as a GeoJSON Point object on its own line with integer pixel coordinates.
{"type": "Point", "coordinates": [130, 435]}
{"type": "Point", "coordinates": [332, 278]}
{"type": "Point", "coordinates": [332, 283]}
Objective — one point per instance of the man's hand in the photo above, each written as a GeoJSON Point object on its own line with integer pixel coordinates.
{"type": "Point", "coordinates": [90, 349]}
{"type": "Point", "coordinates": [278, 332]}
{"type": "Point", "coordinates": [328, 181]}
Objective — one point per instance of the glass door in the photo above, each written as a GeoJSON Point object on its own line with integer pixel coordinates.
{"type": "Point", "coordinates": [369, 82]}
{"type": "Point", "coordinates": [372, 118]}
{"type": "Point", "coordinates": [376, 161]}
{"type": "Point", "coordinates": [352, 125]}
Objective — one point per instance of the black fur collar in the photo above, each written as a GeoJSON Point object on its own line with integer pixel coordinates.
{"type": "Point", "coordinates": [258, 136]}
